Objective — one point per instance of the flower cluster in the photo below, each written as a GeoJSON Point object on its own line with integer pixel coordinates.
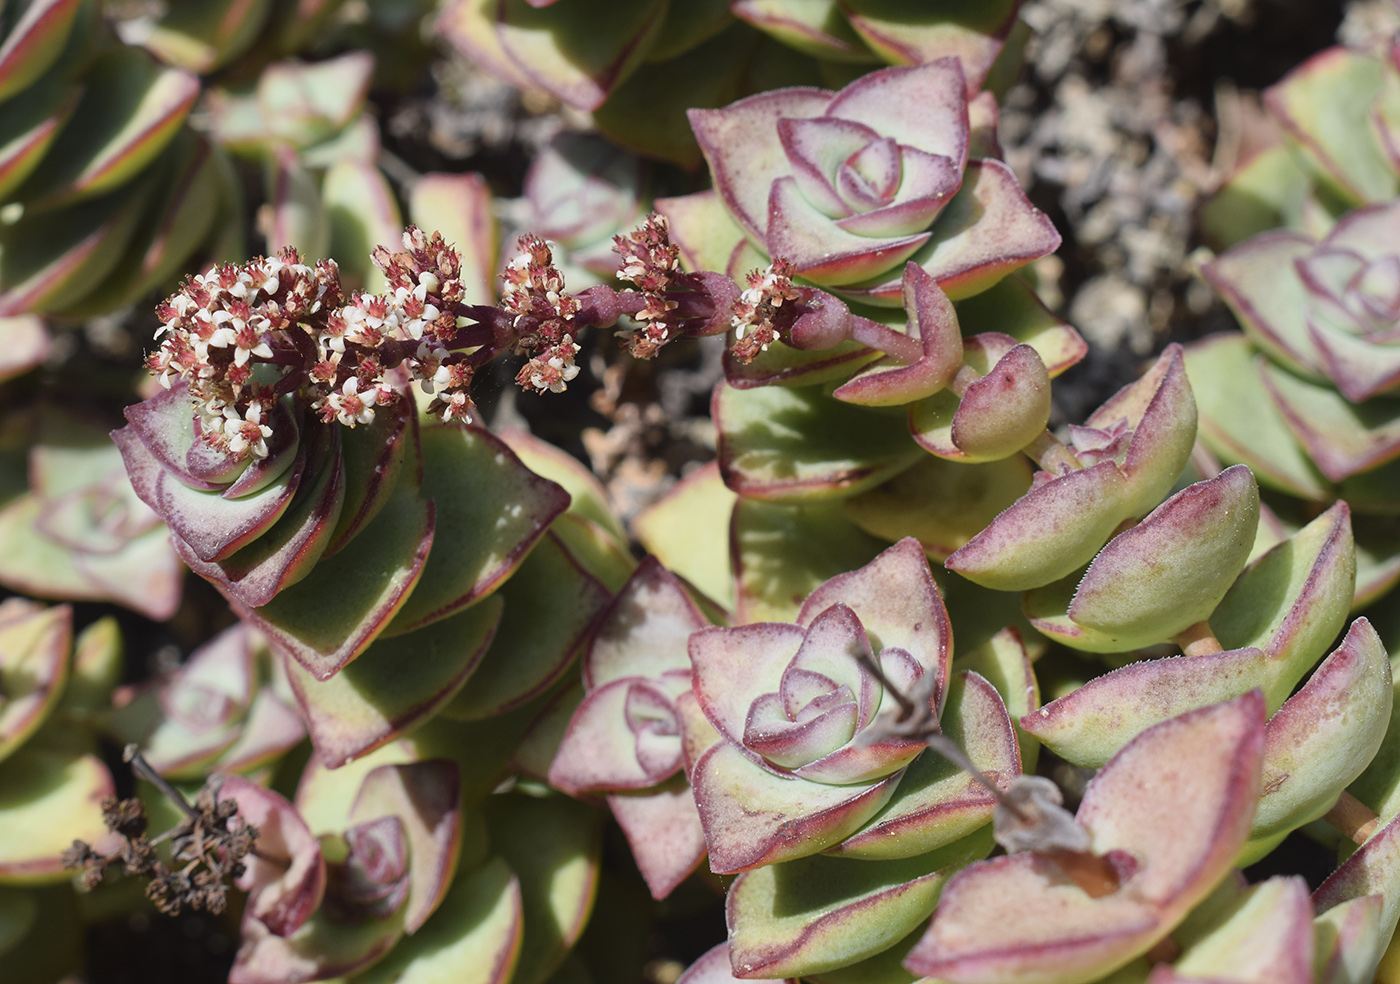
{"type": "Point", "coordinates": [650, 262]}
{"type": "Point", "coordinates": [533, 292]}
{"type": "Point", "coordinates": [760, 305]}
{"type": "Point", "coordinates": [242, 336]}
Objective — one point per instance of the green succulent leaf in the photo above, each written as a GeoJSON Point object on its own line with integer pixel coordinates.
{"type": "Point", "coordinates": [782, 552]}
{"type": "Point", "coordinates": [819, 913]}
{"type": "Point", "coordinates": [394, 684]}
{"type": "Point", "coordinates": [687, 529]}
{"type": "Point", "coordinates": [472, 938]}
{"type": "Point", "coordinates": [490, 511]}
{"type": "Point", "coordinates": [48, 800]}
{"type": "Point", "coordinates": [530, 653]}
{"type": "Point", "coordinates": [552, 844]}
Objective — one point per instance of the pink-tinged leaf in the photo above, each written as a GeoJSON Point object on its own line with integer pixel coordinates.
{"type": "Point", "coordinates": [933, 321]}
{"type": "Point", "coordinates": [213, 527]}
{"type": "Point", "coordinates": [474, 936]}
{"type": "Point", "coordinates": [1204, 767]}
{"type": "Point", "coordinates": [47, 800]}
{"type": "Point", "coordinates": [821, 251]}
{"type": "Point", "coordinates": [1293, 601]}
{"type": "Point", "coordinates": [786, 365]}
{"type": "Point", "coordinates": [1049, 532]}
{"type": "Point", "coordinates": [1271, 308]}
{"type": "Point", "coordinates": [1171, 570]}
{"type": "Point", "coordinates": [815, 149]}
{"type": "Point", "coordinates": [1162, 412]}
{"type": "Point", "coordinates": [715, 968]}
{"type": "Point", "coordinates": [1360, 368]}
{"type": "Point", "coordinates": [782, 553]}
{"type": "Point", "coordinates": [816, 29]}
{"type": "Point", "coordinates": [1342, 439]}
{"type": "Point", "coordinates": [393, 685]}
{"type": "Point", "coordinates": [604, 47]}
{"type": "Point", "coordinates": [1089, 726]}
{"type": "Point", "coordinates": [35, 41]}
{"type": "Point", "coordinates": [588, 498]}
{"type": "Point", "coordinates": [285, 552]}
{"type": "Point", "coordinates": [1179, 799]}
{"type": "Point", "coordinates": [1011, 307]}
{"type": "Point", "coordinates": [734, 667]}
{"type": "Point", "coordinates": [937, 803]}
{"type": "Point", "coordinates": [942, 504]}
{"type": "Point", "coordinates": [644, 631]}
{"type": "Point", "coordinates": [1374, 870]}
{"type": "Point", "coordinates": [34, 646]}
{"type": "Point", "coordinates": [206, 36]}
{"type": "Point", "coordinates": [164, 427]}
{"type": "Point", "coordinates": [530, 653]}
{"type": "Point", "coordinates": [602, 750]}
{"type": "Point", "coordinates": [753, 817]}
{"type": "Point", "coordinates": [922, 106]}
{"type": "Point", "coordinates": [491, 510]}
{"type": "Point", "coordinates": [130, 110]}
{"type": "Point", "coordinates": [423, 797]}
{"type": "Point", "coordinates": [898, 606]}
{"type": "Point", "coordinates": [817, 914]}
{"type": "Point", "coordinates": [270, 729]}
{"type": "Point", "coordinates": [553, 845]}
{"type": "Point", "coordinates": [373, 456]}
{"type": "Point", "coordinates": [910, 33]}
{"type": "Point", "coordinates": [1325, 735]}
{"type": "Point", "coordinates": [663, 830]}
{"type": "Point", "coordinates": [1264, 937]}
{"type": "Point", "coordinates": [742, 145]}
{"type": "Point", "coordinates": [333, 614]}
{"type": "Point", "coordinates": [459, 206]}
{"type": "Point", "coordinates": [470, 27]}
{"type": "Point", "coordinates": [34, 122]}
{"type": "Point", "coordinates": [68, 251]}
{"type": "Point", "coordinates": [787, 444]}
{"type": "Point", "coordinates": [1005, 663]}
{"type": "Point", "coordinates": [282, 896]}
{"type": "Point", "coordinates": [1348, 942]}
{"type": "Point", "coordinates": [928, 182]}
{"type": "Point", "coordinates": [698, 735]}
{"type": "Point", "coordinates": [1239, 422]}
{"type": "Point", "coordinates": [1005, 410]}
{"type": "Point", "coordinates": [989, 229]}
{"type": "Point", "coordinates": [321, 949]}
{"type": "Point", "coordinates": [306, 102]}
{"type": "Point", "coordinates": [1324, 104]}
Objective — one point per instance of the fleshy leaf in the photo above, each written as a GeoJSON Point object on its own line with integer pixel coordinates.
{"type": "Point", "coordinates": [936, 802]}
{"type": "Point", "coordinates": [552, 845]}
{"type": "Point", "coordinates": [942, 504]}
{"type": "Point", "coordinates": [47, 800]}
{"type": "Point", "coordinates": [753, 817]}
{"type": "Point", "coordinates": [529, 652]}
{"type": "Point", "coordinates": [490, 510]}
{"type": "Point", "coordinates": [423, 797]}
{"type": "Point", "coordinates": [281, 898]}
{"type": "Point", "coordinates": [34, 646]}
{"type": "Point", "coordinates": [782, 552]}
{"type": "Point", "coordinates": [472, 938]}
{"type": "Point", "coordinates": [663, 830]}
{"type": "Point", "coordinates": [687, 530]}
{"type": "Point", "coordinates": [818, 913]}
{"type": "Point", "coordinates": [1181, 837]}
{"type": "Point", "coordinates": [394, 684]}
{"type": "Point", "coordinates": [793, 445]}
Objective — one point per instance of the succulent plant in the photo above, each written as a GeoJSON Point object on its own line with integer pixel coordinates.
{"type": "Point", "coordinates": [1311, 367]}
{"type": "Point", "coordinates": [647, 62]}
{"type": "Point", "coordinates": [80, 533]}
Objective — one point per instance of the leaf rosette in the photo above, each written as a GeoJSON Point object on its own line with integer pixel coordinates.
{"type": "Point", "coordinates": [802, 762]}
{"type": "Point", "coordinates": [847, 186]}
